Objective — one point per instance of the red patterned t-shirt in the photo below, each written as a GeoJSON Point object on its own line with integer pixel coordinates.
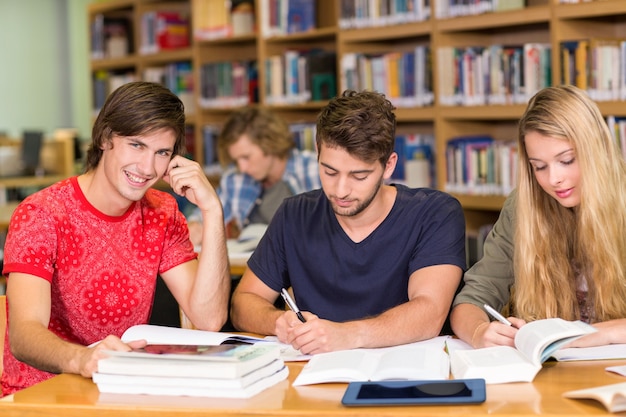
{"type": "Point", "coordinates": [102, 269]}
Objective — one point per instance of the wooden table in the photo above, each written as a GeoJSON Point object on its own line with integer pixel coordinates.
{"type": "Point", "coordinates": [74, 396]}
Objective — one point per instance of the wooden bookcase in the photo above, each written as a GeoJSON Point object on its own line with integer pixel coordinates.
{"type": "Point", "coordinates": [545, 21]}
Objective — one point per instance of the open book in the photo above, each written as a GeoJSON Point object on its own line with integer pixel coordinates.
{"type": "Point", "coordinates": [154, 334]}
{"type": "Point", "coordinates": [535, 342]}
{"type": "Point", "coordinates": [247, 241]}
{"type": "Point", "coordinates": [612, 397]}
{"type": "Point", "coordinates": [615, 351]}
{"type": "Point", "coordinates": [421, 360]}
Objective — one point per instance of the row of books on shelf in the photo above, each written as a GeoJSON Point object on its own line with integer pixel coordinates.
{"type": "Point", "coordinates": [416, 160]}
{"type": "Point", "coordinates": [164, 30]}
{"type": "Point", "coordinates": [617, 126]}
{"type": "Point", "coordinates": [105, 82]}
{"type": "Point", "coordinates": [111, 37]}
{"type": "Point", "coordinates": [496, 74]}
{"type": "Point", "coordinates": [404, 77]}
{"type": "Point", "coordinates": [454, 8]}
{"type": "Point", "coordinates": [597, 65]}
{"type": "Point", "coordinates": [215, 19]}
{"type": "Point", "coordinates": [178, 77]}
{"type": "Point", "coordinates": [228, 84]}
{"type": "Point", "coordinates": [480, 165]}
{"type": "Point", "coordinates": [369, 13]}
{"type": "Point", "coordinates": [282, 17]}
{"type": "Point", "coordinates": [300, 76]}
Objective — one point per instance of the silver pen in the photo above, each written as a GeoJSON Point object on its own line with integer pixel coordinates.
{"type": "Point", "coordinates": [292, 304]}
{"type": "Point", "coordinates": [493, 312]}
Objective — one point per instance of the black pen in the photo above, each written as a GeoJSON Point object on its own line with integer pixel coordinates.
{"type": "Point", "coordinates": [292, 305]}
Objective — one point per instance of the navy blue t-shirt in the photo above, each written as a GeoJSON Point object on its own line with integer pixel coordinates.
{"type": "Point", "coordinates": [340, 280]}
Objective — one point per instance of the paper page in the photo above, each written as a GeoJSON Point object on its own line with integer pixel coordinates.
{"type": "Point", "coordinates": [620, 370]}
{"type": "Point", "coordinates": [163, 334]}
{"type": "Point", "coordinates": [612, 397]}
{"type": "Point", "coordinates": [537, 340]}
{"type": "Point", "coordinates": [287, 352]}
{"type": "Point", "coordinates": [339, 366]}
{"type": "Point", "coordinates": [497, 364]}
{"type": "Point", "coordinates": [247, 241]}
{"type": "Point", "coordinates": [412, 362]}
{"type": "Point", "coordinates": [616, 351]}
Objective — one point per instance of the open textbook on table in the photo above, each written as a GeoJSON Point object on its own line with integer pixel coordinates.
{"type": "Point", "coordinates": [420, 360]}
{"type": "Point", "coordinates": [154, 334]}
{"type": "Point", "coordinates": [612, 397]}
{"type": "Point", "coordinates": [535, 342]}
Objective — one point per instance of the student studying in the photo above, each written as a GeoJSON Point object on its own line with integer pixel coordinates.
{"type": "Point", "coordinates": [263, 167]}
{"type": "Point", "coordinates": [559, 246]}
{"type": "Point", "coordinates": [82, 256]}
{"type": "Point", "coordinates": [370, 264]}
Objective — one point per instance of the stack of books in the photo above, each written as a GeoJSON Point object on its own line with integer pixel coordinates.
{"type": "Point", "coordinates": [232, 370]}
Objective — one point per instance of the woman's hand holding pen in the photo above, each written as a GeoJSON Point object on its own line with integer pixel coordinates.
{"type": "Point", "coordinates": [495, 333]}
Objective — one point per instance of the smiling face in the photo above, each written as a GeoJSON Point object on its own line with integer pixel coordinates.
{"type": "Point", "coordinates": [555, 167]}
{"type": "Point", "coordinates": [350, 184]}
{"type": "Point", "coordinates": [130, 166]}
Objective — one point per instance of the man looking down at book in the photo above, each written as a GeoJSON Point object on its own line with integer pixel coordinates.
{"type": "Point", "coordinates": [560, 240]}
{"type": "Point", "coordinates": [263, 168]}
{"type": "Point", "coordinates": [370, 264]}
{"type": "Point", "coordinates": [82, 256]}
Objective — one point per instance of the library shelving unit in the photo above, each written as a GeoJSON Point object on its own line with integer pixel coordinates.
{"type": "Point", "coordinates": [125, 47]}
{"type": "Point", "coordinates": [547, 22]}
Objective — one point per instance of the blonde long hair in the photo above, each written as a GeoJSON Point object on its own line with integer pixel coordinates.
{"type": "Point", "coordinates": [550, 239]}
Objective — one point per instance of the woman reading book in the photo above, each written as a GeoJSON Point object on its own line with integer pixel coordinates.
{"type": "Point", "coordinates": [559, 246]}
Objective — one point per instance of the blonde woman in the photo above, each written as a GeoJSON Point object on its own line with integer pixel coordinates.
{"type": "Point", "coordinates": [559, 246]}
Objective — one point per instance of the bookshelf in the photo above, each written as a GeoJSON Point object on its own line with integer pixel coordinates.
{"type": "Point", "coordinates": [539, 21]}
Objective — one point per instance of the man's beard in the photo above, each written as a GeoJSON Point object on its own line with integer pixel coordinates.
{"type": "Point", "coordinates": [360, 207]}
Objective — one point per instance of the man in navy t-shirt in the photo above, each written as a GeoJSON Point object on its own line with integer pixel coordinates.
{"type": "Point", "coordinates": [369, 264]}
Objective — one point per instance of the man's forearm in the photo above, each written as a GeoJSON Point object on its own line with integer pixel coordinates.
{"type": "Point", "coordinates": [409, 322]}
{"type": "Point", "coordinates": [252, 313]}
{"type": "Point", "coordinates": [211, 289]}
{"type": "Point", "coordinates": [36, 346]}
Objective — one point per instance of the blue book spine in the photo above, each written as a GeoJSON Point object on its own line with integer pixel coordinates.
{"type": "Point", "coordinates": [301, 15]}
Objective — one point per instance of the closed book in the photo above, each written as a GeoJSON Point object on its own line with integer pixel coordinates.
{"type": "Point", "coordinates": [235, 362]}
{"type": "Point", "coordinates": [196, 382]}
{"type": "Point", "coordinates": [189, 389]}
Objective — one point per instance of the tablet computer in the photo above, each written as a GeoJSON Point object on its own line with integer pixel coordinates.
{"type": "Point", "coordinates": [449, 391]}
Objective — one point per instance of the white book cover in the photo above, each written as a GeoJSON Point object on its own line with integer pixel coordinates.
{"type": "Point", "coordinates": [196, 382]}
{"type": "Point", "coordinates": [195, 391]}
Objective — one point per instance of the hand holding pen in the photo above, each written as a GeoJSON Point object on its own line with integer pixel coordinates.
{"type": "Point", "coordinates": [292, 305]}
{"type": "Point", "coordinates": [496, 315]}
